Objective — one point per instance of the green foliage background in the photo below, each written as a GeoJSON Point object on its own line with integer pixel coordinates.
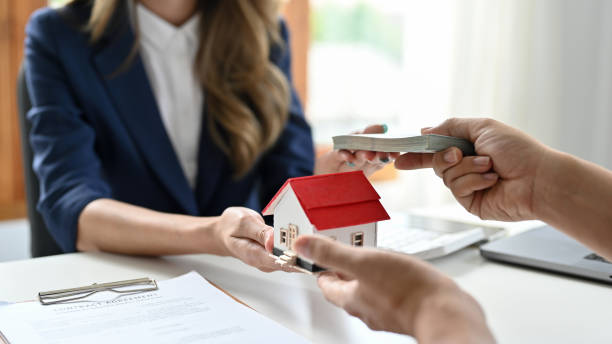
{"type": "Point", "coordinates": [361, 23]}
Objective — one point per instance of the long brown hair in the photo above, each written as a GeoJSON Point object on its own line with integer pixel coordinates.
{"type": "Point", "coordinates": [246, 94]}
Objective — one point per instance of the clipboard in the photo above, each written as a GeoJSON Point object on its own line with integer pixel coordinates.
{"type": "Point", "coordinates": [53, 297]}
{"type": "Point", "coordinates": [126, 287]}
{"type": "Point", "coordinates": [78, 293]}
{"type": "Point", "coordinates": [139, 285]}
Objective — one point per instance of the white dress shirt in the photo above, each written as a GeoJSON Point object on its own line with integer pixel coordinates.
{"type": "Point", "coordinates": [168, 53]}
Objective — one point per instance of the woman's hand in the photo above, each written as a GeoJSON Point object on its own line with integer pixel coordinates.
{"type": "Point", "coordinates": [500, 183]}
{"type": "Point", "coordinates": [394, 292]}
{"type": "Point", "coordinates": [243, 234]}
{"type": "Point", "coordinates": [345, 161]}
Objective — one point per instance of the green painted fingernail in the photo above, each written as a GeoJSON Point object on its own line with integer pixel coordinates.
{"type": "Point", "coordinates": [384, 160]}
{"type": "Point", "coordinates": [350, 164]}
{"type": "Point", "coordinates": [385, 128]}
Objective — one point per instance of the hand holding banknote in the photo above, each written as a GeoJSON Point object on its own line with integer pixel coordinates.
{"type": "Point", "coordinates": [498, 182]}
{"type": "Point", "coordinates": [344, 160]}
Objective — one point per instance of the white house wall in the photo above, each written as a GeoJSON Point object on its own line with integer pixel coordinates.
{"type": "Point", "coordinates": [343, 234]}
{"type": "Point", "coordinates": [289, 211]}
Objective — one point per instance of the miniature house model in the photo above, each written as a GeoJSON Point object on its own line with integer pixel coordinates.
{"type": "Point", "coordinates": [342, 206]}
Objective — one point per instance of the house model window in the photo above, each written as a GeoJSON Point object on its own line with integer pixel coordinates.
{"type": "Point", "coordinates": [288, 236]}
{"type": "Point", "coordinates": [357, 239]}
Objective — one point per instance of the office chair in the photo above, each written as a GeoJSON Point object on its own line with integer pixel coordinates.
{"type": "Point", "coordinates": [41, 242]}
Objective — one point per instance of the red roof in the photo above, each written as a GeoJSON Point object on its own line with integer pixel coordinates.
{"type": "Point", "coordinates": [334, 200]}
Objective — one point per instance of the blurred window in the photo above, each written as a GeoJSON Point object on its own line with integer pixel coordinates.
{"type": "Point", "coordinates": [355, 65]}
{"type": "Point", "coordinates": [381, 61]}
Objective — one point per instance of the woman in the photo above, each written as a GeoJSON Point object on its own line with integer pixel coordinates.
{"type": "Point", "coordinates": [157, 126]}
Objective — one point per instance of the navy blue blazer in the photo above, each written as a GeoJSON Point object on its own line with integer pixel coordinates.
{"type": "Point", "coordinates": [98, 135]}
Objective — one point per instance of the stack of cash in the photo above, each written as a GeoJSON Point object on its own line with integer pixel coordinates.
{"type": "Point", "coordinates": [415, 144]}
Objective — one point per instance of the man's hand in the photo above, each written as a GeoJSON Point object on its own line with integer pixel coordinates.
{"type": "Point", "coordinates": [394, 292]}
{"type": "Point", "coordinates": [499, 183]}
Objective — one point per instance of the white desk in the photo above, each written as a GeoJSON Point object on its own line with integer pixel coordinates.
{"type": "Point", "coordinates": [522, 305]}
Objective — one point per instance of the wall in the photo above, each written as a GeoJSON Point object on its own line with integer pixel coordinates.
{"type": "Point", "coordinates": [344, 234]}
{"type": "Point", "coordinates": [289, 211]}
{"type": "Point", "coordinates": [297, 14]}
{"type": "Point", "coordinates": [543, 66]}
{"type": "Point", "coordinates": [13, 17]}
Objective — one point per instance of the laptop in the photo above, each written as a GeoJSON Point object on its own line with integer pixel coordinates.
{"type": "Point", "coordinates": [549, 249]}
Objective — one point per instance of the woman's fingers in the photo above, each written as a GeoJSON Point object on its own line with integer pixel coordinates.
{"type": "Point", "coordinates": [364, 157]}
{"type": "Point", "coordinates": [383, 157]}
{"type": "Point", "coordinates": [269, 244]}
{"type": "Point", "coordinates": [344, 155]}
{"type": "Point", "coordinates": [358, 159]}
{"type": "Point", "coordinates": [361, 160]}
{"type": "Point", "coordinates": [373, 129]}
{"type": "Point", "coordinates": [252, 253]}
{"type": "Point", "coordinates": [367, 161]}
{"type": "Point", "coordinates": [254, 230]}
{"type": "Point", "coordinates": [376, 129]}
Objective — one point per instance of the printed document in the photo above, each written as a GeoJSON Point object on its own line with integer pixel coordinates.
{"type": "Point", "coordinates": [186, 309]}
